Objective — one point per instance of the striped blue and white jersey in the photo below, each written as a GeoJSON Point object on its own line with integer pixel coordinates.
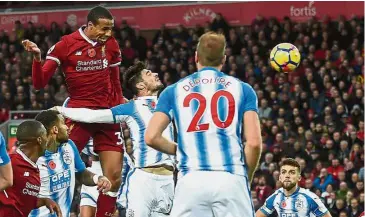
{"type": "Point", "coordinates": [122, 200]}
{"type": "Point", "coordinates": [208, 108]}
{"type": "Point", "coordinates": [57, 173]}
{"type": "Point", "coordinates": [302, 203]}
{"type": "Point", "coordinates": [4, 157]}
{"type": "Point", "coordinates": [137, 115]}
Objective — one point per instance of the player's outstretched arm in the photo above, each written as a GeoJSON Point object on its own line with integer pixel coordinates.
{"type": "Point", "coordinates": [6, 170]}
{"type": "Point", "coordinates": [259, 213]}
{"type": "Point", "coordinates": [90, 179]}
{"type": "Point", "coordinates": [86, 115]}
{"type": "Point", "coordinates": [40, 74]}
{"type": "Point", "coordinates": [153, 135]}
{"type": "Point", "coordinates": [253, 146]}
{"type": "Point", "coordinates": [51, 205]}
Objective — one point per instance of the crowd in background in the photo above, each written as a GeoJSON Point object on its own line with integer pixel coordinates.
{"type": "Point", "coordinates": [314, 114]}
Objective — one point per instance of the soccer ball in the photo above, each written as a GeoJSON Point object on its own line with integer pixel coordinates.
{"type": "Point", "coordinates": [285, 57]}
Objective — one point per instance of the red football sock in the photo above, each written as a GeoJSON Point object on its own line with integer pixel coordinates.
{"type": "Point", "coordinates": [105, 206]}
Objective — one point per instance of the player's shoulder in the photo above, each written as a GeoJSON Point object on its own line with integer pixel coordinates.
{"type": "Point", "coordinates": [169, 89]}
{"type": "Point", "coordinates": [112, 44]}
{"type": "Point", "coordinates": [277, 192]}
{"type": "Point", "coordinates": [72, 36]}
{"type": "Point", "coordinates": [310, 196]}
{"type": "Point", "coordinates": [307, 192]}
{"type": "Point", "coordinates": [128, 105]}
{"type": "Point", "coordinates": [111, 41]}
{"type": "Point", "coordinates": [69, 145]}
{"type": "Point", "coordinates": [71, 39]}
{"type": "Point", "coordinates": [16, 159]}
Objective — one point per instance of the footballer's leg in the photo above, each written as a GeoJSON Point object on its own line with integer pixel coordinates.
{"type": "Point", "coordinates": [87, 211]}
{"type": "Point", "coordinates": [79, 133]}
{"type": "Point", "coordinates": [232, 196]}
{"type": "Point", "coordinates": [193, 195]}
{"type": "Point", "coordinates": [108, 143]}
{"type": "Point", "coordinates": [89, 194]}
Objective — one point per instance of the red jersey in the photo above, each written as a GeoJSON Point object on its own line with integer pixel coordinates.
{"type": "Point", "coordinates": [87, 69]}
{"type": "Point", "coordinates": [22, 197]}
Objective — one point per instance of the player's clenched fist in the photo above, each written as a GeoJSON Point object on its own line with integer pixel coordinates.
{"type": "Point", "coordinates": [103, 184]}
{"type": "Point", "coordinates": [32, 47]}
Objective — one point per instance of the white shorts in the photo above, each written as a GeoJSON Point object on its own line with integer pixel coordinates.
{"type": "Point", "coordinates": [149, 194]}
{"type": "Point", "coordinates": [212, 193]}
{"type": "Point", "coordinates": [89, 195]}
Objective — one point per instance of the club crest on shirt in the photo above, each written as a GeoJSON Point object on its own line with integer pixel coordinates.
{"type": "Point", "coordinates": [299, 204]}
{"type": "Point", "coordinates": [91, 52]}
{"type": "Point", "coordinates": [103, 51]}
{"type": "Point", "coordinates": [67, 157]}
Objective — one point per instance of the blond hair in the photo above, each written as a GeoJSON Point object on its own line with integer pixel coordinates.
{"type": "Point", "coordinates": [211, 49]}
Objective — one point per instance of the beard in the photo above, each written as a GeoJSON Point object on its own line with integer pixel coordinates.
{"type": "Point", "coordinates": [63, 139]}
{"type": "Point", "coordinates": [288, 185]}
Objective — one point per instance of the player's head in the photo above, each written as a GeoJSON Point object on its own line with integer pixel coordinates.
{"type": "Point", "coordinates": [211, 50]}
{"type": "Point", "coordinates": [33, 135]}
{"type": "Point", "coordinates": [289, 173]}
{"type": "Point", "coordinates": [100, 23]}
{"type": "Point", "coordinates": [141, 81]}
{"type": "Point", "coordinates": [55, 125]}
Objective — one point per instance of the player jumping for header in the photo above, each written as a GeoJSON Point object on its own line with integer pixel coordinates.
{"type": "Point", "coordinates": [89, 59]}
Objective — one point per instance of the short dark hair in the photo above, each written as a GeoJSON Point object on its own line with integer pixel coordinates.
{"type": "Point", "coordinates": [28, 130]}
{"type": "Point", "coordinates": [97, 13]}
{"type": "Point", "coordinates": [291, 162]}
{"type": "Point", "coordinates": [132, 76]}
{"type": "Point", "coordinates": [48, 118]}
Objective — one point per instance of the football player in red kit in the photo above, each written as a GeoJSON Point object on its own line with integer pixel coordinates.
{"type": "Point", "coordinates": [89, 59]}
{"type": "Point", "coordinates": [22, 197]}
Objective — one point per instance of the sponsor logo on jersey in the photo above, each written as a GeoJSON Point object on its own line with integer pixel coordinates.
{"type": "Point", "coordinates": [60, 180]}
{"type": "Point", "coordinates": [31, 189]}
{"type": "Point", "coordinates": [92, 65]}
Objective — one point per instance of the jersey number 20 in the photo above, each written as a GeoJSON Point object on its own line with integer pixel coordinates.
{"type": "Point", "coordinates": [195, 126]}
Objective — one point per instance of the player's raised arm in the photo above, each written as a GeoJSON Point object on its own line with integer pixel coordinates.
{"type": "Point", "coordinates": [252, 130]}
{"type": "Point", "coordinates": [42, 74]}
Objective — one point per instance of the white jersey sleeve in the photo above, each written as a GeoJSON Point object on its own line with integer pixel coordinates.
{"type": "Point", "coordinates": [88, 115]}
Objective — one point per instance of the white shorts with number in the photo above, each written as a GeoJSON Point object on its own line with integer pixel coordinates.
{"type": "Point", "coordinates": [90, 194]}
{"type": "Point", "coordinates": [212, 193]}
{"type": "Point", "coordinates": [148, 195]}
